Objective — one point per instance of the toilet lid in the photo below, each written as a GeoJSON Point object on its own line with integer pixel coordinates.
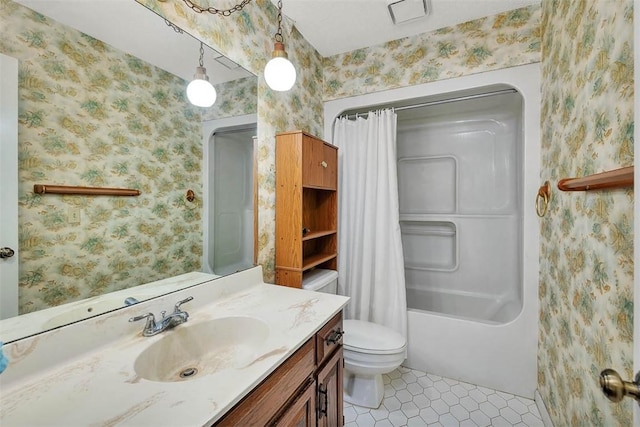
{"type": "Point", "coordinates": [370, 337]}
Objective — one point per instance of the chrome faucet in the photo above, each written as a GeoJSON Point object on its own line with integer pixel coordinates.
{"type": "Point", "coordinates": [152, 327]}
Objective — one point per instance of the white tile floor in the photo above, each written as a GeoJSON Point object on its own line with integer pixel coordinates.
{"type": "Point", "coordinates": [414, 398]}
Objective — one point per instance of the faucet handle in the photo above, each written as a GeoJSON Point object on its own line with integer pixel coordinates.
{"type": "Point", "coordinates": [179, 303]}
{"type": "Point", "coordinates": [142, 316]}
{"type": "Point", "coordinates": [151, 327]}
{"type": "Point", "coordinates": [151, 320]}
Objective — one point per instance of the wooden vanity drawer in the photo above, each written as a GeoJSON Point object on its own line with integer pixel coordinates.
{"type": "Point", "coordinates": [266, 400]}
{"type": "Point", "coordinates": [329, 338]}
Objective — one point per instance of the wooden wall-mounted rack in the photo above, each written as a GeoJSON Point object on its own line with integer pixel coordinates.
{"type": "Point", "coordinates": [84, 191]}
{"type": "Point", "coordinates": [618, 178]}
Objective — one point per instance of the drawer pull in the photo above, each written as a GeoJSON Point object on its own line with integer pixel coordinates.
{"type": "Point", "coordinates": [334, 337]}
{"type": "Point", "coordinates": [324, 164]}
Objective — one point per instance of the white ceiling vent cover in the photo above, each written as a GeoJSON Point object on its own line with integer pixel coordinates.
{"type": "Point", "coordinates": [407, 10]}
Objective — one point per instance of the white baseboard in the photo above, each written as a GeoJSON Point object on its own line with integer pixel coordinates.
{"type": "Point", "coordinates": [544, 414]}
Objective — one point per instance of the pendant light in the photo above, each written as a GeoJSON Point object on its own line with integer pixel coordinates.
{"type": "Point", "coordinates": [200, 91]}
{"type": "Point", "coordinates": [280, 74]}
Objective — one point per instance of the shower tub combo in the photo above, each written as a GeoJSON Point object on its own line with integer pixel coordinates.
{"type": "Point", "coordinates": [468, 171]}
{"type": "Point", "coordinates": [228, 223]}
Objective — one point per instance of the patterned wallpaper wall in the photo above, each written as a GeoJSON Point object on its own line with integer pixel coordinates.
{"type": "Point", "coordinates": [501, 41]}
{"type": "Point", "coordinates": [90, 115]}
{"type": "Point", "coordinates": [246, 37]}
{"type": "Point", "coordinates": [235, 98]}
{"type": "Point", "coordinates": [586, 265]}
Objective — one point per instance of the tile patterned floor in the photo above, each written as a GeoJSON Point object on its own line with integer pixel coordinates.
{"type": "Point", "coordinates": [413, 398]}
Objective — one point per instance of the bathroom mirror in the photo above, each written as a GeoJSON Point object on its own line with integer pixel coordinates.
{"type": "Point", "coordinates": [102, 104]}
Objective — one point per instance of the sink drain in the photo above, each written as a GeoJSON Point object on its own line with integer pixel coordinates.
{"type": "Point", "coordinates": [188, 373]}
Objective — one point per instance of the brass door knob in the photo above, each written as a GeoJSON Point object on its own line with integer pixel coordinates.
{"type": "Point", "coordinates": [615, 388]}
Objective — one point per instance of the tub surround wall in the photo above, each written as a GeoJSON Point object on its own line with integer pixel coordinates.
{"type": "Point", "coordinates": [91, 115]}
{"type": "Point", "coordinates": [462, 239]}
{"type": "Point", "coordinates": [586, 264]}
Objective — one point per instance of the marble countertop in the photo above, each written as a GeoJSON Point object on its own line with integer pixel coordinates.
{"type": "Point", "coordinates": [83, 374]}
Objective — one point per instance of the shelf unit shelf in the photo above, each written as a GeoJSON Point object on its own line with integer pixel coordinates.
{"type": "Point", "coordinates": [317, 259]}
{"type": "Point", "coordinates": [317, 234]}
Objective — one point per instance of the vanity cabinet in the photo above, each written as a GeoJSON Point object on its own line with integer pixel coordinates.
{"type": "Point", "coordinates": [302, 411]}
{"type": "Point", "coordinates": [329, 403]}
{"type": "Point", "coordinates": [304, 391]}
{"type": "Point", "coordinates": [306, 206]}
{"type": "Point", "coordinates": [329, 373]}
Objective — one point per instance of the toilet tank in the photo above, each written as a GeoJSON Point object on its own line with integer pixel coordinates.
{"type": "Point", "coordinates": [321, 280]}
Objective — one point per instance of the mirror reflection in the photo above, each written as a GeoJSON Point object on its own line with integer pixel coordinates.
{"type": "Point", "coordinates": [102, 103]}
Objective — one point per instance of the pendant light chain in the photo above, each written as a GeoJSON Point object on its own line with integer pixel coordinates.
{"type": "Point", "coordinates": [278, 35]}
{"type": "Point", "coordinates": [201, 54]}
{"type": "Point", "coordinates": [173, 26]}
{"type": "Point", "coordinates": [223, 12]}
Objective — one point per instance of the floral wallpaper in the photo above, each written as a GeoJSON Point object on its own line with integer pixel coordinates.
{"type": "Point", "coordinates": [235, 98]}
{"type": "Point", "coordinates": [586, 262]}
{"type": "Point", "coordinates": [90, 115]}
{"type": "Point", "coordinates": [494, 42]}
{"type": "Point", "coordinates": [586, 265]}
{"type": "Point", "coordinates": [247, 38]}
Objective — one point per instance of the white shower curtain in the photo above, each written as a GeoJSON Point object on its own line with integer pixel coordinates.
{"type": "Point", "coordinates": [370, 264]}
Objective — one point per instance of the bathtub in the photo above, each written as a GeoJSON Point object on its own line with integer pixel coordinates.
{"type": "Point", "coordinates": [463, 305]}
{"type": "Point", "coordinates": [485, 334]}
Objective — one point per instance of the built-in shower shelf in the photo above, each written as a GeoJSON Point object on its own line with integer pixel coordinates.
{"type": "Point", "coordinates": [617, 178]}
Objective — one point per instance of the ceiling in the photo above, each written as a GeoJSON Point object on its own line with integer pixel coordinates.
{"type": "Point", "coordinates": [331, 26]}
{"type": "Point", "coordinates": [132, 28]}
{"type": "Point", "coordinates": [337, 26]}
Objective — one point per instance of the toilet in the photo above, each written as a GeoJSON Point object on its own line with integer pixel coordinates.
{"type": "Point", "coordinates": [369, 349]}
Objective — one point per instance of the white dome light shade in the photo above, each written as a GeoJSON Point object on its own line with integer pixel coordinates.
{"type": "Point", "coordinates": [200, 91]}
{"type": "Point", "coordinates": [280, 74]}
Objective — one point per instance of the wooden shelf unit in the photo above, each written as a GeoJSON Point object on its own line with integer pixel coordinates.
{"type": "Point", "coordinates": [306, 206]}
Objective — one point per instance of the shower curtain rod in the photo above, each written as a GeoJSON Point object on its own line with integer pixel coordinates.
{"type": "Point", "coordinates": [442, 101]}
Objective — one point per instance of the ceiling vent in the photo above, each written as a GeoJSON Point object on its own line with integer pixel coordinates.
{"type": "Point", "coordinates": [407, 10]}
{"type": "Point", "coordinates": [227, 62]}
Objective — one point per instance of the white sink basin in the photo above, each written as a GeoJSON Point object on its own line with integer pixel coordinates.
{"type": "Point", "coordinates": [194, 350]}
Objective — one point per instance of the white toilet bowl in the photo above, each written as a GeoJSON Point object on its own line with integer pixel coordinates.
{"type": "Point", "coordinates": [370, 350]}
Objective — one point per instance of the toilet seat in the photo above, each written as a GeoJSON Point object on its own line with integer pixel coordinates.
{"type": "Point", "coordinates": [370, 338]}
